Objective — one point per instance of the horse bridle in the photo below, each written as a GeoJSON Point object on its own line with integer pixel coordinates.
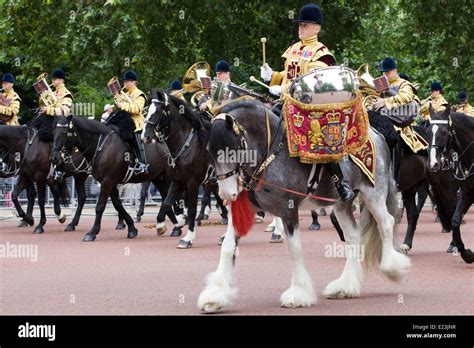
{"type": "Point", "coordinates": [239, 131]}
{"type": "Point", "coordinates": [161, 131]}
{"type": "Point", "coordinates": [245, 179]}
{"type": "Point", "coordinates": [447, 147]}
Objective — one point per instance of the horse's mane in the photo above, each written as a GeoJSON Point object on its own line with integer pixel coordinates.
{"type": "Point", "coordinates": [465, 120]}
{"type": "Point", "coordinates": [96, 126]}
{"type": "Point", "coordinates": [192, 117]}
{"type": "Point", "coordinates": [16, 132]}
{"type": "Point", "coordinates": [243, 103]}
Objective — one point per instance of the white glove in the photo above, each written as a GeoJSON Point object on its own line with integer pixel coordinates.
{"type": "Point", "coordinates": [275, 90]}
{"type": "Point", "coordinates": [266, 72]}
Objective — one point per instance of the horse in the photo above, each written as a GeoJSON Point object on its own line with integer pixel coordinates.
{"type": "Point", "coordinates": [414, 177]}
{"type": "Point", "coordinates": [31, 162]}
{"type": "Point", "coordinates": [241, 126]}
{"type": "Point", "coordinates": [109, 155]}
{"type": "Point", "coordinates": [183, 135]}
{"type": "Point", "coordinates": [452, 135]}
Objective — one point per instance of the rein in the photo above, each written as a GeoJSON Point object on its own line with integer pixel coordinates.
{"type": "Point", "coordinates": [17, 168]}
{"type": "Point", "coordinates": [456, 165]}
{"type": "Point", "coordinates": [257, 175]}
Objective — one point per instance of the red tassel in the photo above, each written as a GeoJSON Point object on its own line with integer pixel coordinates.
{"type": "Point", "coordinates": [243, 216]}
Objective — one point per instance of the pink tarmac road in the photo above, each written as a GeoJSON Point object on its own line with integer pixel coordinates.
{"type": "Point", "coordinates": [148, 275]}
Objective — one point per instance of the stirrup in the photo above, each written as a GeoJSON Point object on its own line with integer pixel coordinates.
{"type": "Point", "coordinates": [345, 191]}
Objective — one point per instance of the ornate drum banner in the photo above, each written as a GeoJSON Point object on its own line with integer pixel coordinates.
{"type": "Point", "coordinates": [325, 132]}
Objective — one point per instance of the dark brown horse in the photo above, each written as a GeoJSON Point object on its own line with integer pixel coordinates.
{"type": "Point", "coordinates": [109, 155]}
{"type": "Point", "coordinates": [183, 136]}
{"type": "Point", "coordinates": [453, 143]}
{"type": "Point", "coordinates": [31, 156]}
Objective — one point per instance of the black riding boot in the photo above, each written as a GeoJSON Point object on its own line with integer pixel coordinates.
{"type": "Point", "coordinates": [397, 160]}
{"type": "Point", "coordinates": [342, 185]}
{"type": "Point", "coordinates": [138, 147]}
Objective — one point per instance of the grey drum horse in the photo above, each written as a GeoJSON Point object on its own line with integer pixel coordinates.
{"type": "Point", "coordinates": [242, 126]}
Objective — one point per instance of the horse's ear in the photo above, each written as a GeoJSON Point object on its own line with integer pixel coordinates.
{"type": "Point", "coordinates": [431, 110]}
{"type": "Point", "coordinates": [447, 110]}
{"type": "Point", "coordinates": [229, 121]}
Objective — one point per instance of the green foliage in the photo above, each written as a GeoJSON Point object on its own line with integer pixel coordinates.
{"type": "Point", "coordinates": [95, 40]}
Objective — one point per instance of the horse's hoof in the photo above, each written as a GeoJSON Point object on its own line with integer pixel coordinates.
{"type": "Point", "coordinates": [184, 244]}
{"type": "Point", "coordinates": [89, 238]}
{"type": "Point", "coordinates": [444, 230]}
{"type": "Point", "coordinates": [224, 221]}
{"type": "Point", "coordinates": [468, 256]}
{"type": "Point", "coordinates": [405, 248]}
{"type": "Point", "coordinates": [269, 228]}
{"type": "Point", "coordinates": [38, 230]}
{"type": "Point", "coordinates": [120, 226]}
{"type": "Point", "coordinates": [198, 222]}
{"type": "Point", "coordinates": [70, 228]}
{"type": "Point", "coordinates": [62, 218]}
{"type": "Point", "coordinates": [138, 219]}
{"type": "Point", "coordinates": [437, 219]}
{"type": "Point", "coordinates": [322, 212]}
{"type": "Point", "coordinates": [452, 249]}
{"type": "Point", "coordinates": [29, 220]}
{"type": "Point", "coordinates": [22, 223]}
{"type": "Point", "coordinates": [276, 238]}
{"type": "Point", "coordinates": [314, 227]}
{"type": "Point", "coordinates": [161, 230]}
{"type": "Point", "coordinates": [132, 233]}
{"type": "Point", "coordinates": [177, 231]}
{"type": "Point", "coordinates": [221, 240]}
{"type": "Point", "coordinates": [258, 219]}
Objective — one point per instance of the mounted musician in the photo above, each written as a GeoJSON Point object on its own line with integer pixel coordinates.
{"type": "Point", "coordinates": [463, 106]}
{"type": "Point", "coordinates": [301, 58]}
{"type": "Point", "coordinates": [9, 101]}
{"type": "Point", "coordinates": [132, 101]}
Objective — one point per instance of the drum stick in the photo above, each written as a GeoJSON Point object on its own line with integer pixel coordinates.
{"type": "Point", "coordinates": [253, 79]}
{"type": "Point", "coordinates": [263, 40]}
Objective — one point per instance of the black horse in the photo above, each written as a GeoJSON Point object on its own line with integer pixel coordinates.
{"type": "Point", "coordinates": [183, 135]}
{"type": "Point", "coordinates": [413, 178]}
{"type": "Point", "coordinates": [31, 160]}
{"type": "Point", "coordinates": [109, 154]}
{"type": "Point", "coordinates": [453, 137]}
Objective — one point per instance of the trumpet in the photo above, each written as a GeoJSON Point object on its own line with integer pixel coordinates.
{"type": "Point", "coordinates": [117, 91]}
{"type": "Point", "coordinates": [47, 97]}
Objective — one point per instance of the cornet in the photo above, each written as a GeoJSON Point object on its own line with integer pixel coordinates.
{"type": "Point", "coordinates": [117, 91]}
{"type": "Point", "coordinates": [44, 90]}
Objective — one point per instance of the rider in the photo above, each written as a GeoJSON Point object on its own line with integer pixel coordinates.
{"type": "Point", "coordinates": [402, 93]}
{"type": "Point", "coordinates": [300, 58]}
{"type": "Point", "coordinates": [464, 105]}
{"type": "Point", "coordinates": [9, 110]}
{"type": "Point", "coordinates": [63, 104]}
{"type": "Point", "coordinates": [135, 106]}
{"type": "Point", "coordinates": [222, 70]}
{"type": "Point", "coordinates": [436, 100]}
{"type": "Point", "coordinates": [176, 89]}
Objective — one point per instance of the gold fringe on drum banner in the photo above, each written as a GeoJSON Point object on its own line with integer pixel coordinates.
{"type": "Point", "coordinates": [325, 132]}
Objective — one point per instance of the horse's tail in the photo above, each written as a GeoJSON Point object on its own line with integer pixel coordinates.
{"type": "Point", "coordinates": [64, 192]}
{"type": "Point", "coordinates": [370, 234]}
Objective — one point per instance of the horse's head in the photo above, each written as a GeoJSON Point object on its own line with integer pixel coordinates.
{"type": "Point", "coordinates": [226, 145]}
{"type": "Point", "coordinates": [65, 138]}
{"type": "Point", "coordinates": [440, 132]}
{"type": "Point", "coordinates": [158, 117]}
